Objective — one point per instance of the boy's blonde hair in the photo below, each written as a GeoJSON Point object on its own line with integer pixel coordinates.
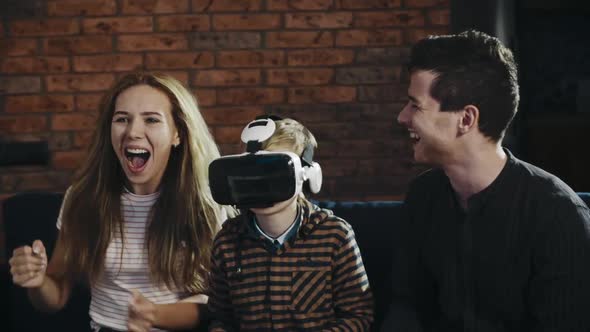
{"type": "Point", "coordinates": [292, 135]}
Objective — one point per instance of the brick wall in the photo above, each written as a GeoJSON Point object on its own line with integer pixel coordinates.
{"type": "Point", "coordinates": [334, 64]}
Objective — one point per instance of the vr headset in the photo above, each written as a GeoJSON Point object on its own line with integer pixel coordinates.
{"type": "Point", "coordinates": [261, 178]}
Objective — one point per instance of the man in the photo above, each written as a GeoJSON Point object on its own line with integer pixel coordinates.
{"type": "Point", "coordinates": [490, 243]}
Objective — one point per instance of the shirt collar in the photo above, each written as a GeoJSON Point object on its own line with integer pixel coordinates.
{"type": "Point", "coordinates": [286, 234]}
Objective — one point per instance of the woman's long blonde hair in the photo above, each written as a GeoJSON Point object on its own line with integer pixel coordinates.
{"type": "Point", "coordinates": [183, 221]}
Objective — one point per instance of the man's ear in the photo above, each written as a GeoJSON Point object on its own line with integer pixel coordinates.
{"type": "Point", "coordinates": [469, 119]}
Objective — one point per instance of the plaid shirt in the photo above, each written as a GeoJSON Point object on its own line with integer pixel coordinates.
{"type": "Point", "coordinates": [315, 281]}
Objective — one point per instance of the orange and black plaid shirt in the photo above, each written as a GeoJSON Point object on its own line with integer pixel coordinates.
{"type": "Point", "coordinates": [315, 281]}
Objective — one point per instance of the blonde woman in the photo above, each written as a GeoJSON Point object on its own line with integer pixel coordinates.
{"type": "Point", "coordinates": [138, 222]}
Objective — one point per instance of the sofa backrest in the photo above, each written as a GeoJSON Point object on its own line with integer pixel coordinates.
{"type": "Point", "coordinates": [27, 217]}
{"type": "Point", "coordinates": [31, 216]}
{"type": "Point", "coordinates": [373, 224]}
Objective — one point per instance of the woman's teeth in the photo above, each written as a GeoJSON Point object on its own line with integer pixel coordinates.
{"type": "Point", "coordinates": [136, 151]}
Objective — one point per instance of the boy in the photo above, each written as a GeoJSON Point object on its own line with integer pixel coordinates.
{"type": "Point", "coordinates": [289, 266]}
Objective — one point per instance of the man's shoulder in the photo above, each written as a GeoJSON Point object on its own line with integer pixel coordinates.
{"type": "Point", "coordinates": [546, 187]}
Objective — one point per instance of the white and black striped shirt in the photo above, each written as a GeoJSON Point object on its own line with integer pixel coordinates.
{"type": "Point", "coordinates": [111, 293]}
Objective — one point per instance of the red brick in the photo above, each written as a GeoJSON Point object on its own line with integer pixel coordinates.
{"type": "Point", "coordinates": [14, 47]}
{"type": "Point", "coordinates": [378, 166]}
{"type": "Point", "coordinates": [229, 148]}
{"type": "Point", "coordinates": [250, 96]}
{"type": "Point", "coordinates": [141, 7]}
{"type": "Point", "coordinates": [33, 181]}
{"type": "Point", "coordinates": [237, 22]}
{"type": "Point", "coordinates": [382, 93]}
{"type": "Point", "coordinates": [323, 57]}
{"type": "Point", "coordinates": [377, 37]}
{"type": "Point", "coordinates": [81, 8]}
{"type": "Point", "coordinates": [299, 76]}
{"type": "Point", "coordinates": [439, 17]}
{"type": "Point", "coordinates": [367, 4]}
{"type": "Point", "coordinates": [289, 5]}
{"type": "Point", "coordinates": [321, 113]}
{"type": "Point", "coordinates": [318, 20]}
{"type": "Point", "coordinates": [36, 103]}
{"type": "Point", "coordinates": [299, 39]}
{"type": "Point", "coordinates": [107, 63]}
{"type": "Point", "coordinates": [367, 75]}
{"type": "Point", "coordinates": [179, 60]}
{"type": "Point", "coordinates": [78, 45]}
{"type": "Point", "coordinates": [427, 3]}
{"type": "Point", "coordinates": [68, 160]}
{"type": "Point", "coordinates": [19, 84]}
{"type": "Point", "coordinates": [212, 78]}
{"type": "Point", "coordinates": [23, 124]}
{"type": "Point", "coordinates": [153, 42]}
{"type": "Point", "coordinates": [111, 25]}
{"type": "Point", "coordinates": [382, 112]}
{"type": "Point", "coordinates": [173, 23]}
{"type": "Point", "coordinates": [238, 115]}
{"type": "Point", "coordinates": [402, 18]}
{"type": "Point", "coordinates": [228, 134]}
{"type": "Point", "coordinates": [73, 121]}
{"type": "Point", "coordinates": [262, 58]}
{"type": "Point", "coordinates": [383, 56]}
{"type": "Point", "coordinates": [205, 97]}
{"type": "Point", "coordinates": [35, 65]}
{"type": "Point", "coordinates": [323, 94]}
{"type": "Point", "coordinates": [226, 5]}
{"type": "Point", "coordinates": [88, 102]}
{"type": "Point", "coordinates": [59, 141]}
{"type": "Point", "coordinates": [414, 35]}
{"type": "Point", "coordinates": [225, 40]}
{"type": "Point", "coordinates": [45, 27]}
{"type": "Point", "coordinates": [82, 139]}
{"type": "Point", "coordinates": [340, 167]}
{"type": "Point", "coordinates": [86, 82]}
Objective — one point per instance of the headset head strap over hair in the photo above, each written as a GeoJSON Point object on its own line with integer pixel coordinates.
{"type": "Point", "coordinates": [259, 131]}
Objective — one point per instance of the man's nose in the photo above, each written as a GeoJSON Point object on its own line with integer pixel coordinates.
{"type": "Point", "coordinates": [403, 116]}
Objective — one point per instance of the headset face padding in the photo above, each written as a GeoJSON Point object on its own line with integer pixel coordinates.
{"type": "Point", "coordinates": [313, 174]}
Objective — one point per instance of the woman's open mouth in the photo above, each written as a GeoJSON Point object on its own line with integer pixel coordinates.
{"type": "Point", "coordinates": [137, 159]}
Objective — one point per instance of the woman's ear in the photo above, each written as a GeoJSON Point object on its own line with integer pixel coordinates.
{"type": "Point", "coordinates": [469, 119]}
{"type": "Point", "coordinates": [176, 140]}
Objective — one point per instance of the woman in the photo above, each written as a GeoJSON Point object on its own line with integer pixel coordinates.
{"type": "Point", "coordinates": [138, 221]}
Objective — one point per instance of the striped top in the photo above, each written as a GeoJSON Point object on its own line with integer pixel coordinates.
{"type": "Point", "coordinates": [316, 280]}
{"type": "Point", "coordinates": [111, 292]}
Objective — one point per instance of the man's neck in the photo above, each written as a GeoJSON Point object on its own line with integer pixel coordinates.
{"type": "Point", "coordinates": [274, 225]}
{"type": "Point", "coordinates": [476, 170]}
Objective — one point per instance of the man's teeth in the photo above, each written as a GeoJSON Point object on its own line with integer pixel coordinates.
{"type": "Point", "coordinates": [414, 135]}
{"type": "Point", "coordinates": [137, 151]}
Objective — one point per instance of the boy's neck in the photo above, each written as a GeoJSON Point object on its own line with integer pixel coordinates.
{"type": "Point", "coordinates": [275, 224]}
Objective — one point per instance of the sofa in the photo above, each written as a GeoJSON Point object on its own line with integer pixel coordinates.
{"type": "Point", "coordinates": [30, 216]}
